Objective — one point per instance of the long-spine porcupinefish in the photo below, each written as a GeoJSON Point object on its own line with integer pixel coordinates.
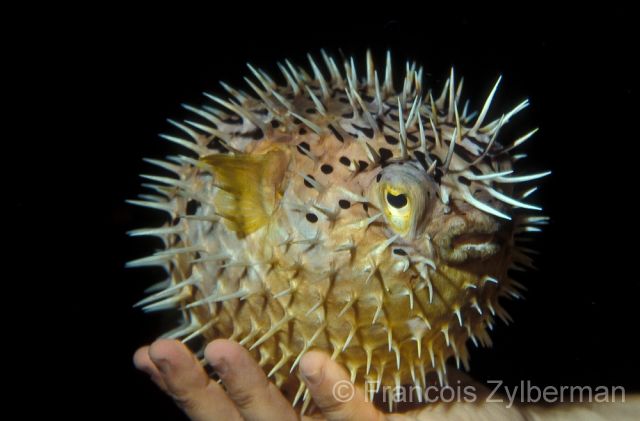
{"type": "Point", "coordinates": [341, 214]}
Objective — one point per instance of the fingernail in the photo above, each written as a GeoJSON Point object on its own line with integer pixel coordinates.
{"type": "Point", "coordinates": [310, 375]}
{"type": "Point", "coordinates": [163, 365]}
{"type": "Point", "coordinates": [220, 367]}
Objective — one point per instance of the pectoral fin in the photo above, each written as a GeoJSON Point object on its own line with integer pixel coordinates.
{"type": "Point", "coordinates": [251, 186]}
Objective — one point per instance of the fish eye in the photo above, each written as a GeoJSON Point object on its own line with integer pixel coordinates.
{"type": "Point", "coordinates": [398, 211]}
{"type": "Point", "coordinates": [398, 201]}
{"type": "Point", "coordinates": [403, 193]}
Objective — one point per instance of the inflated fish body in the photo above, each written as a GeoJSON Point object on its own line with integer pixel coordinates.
{"type": "Point", "coordinates": [340, 213]}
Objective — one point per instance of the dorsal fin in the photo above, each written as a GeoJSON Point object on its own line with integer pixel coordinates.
{"type": "Point", "coordinates": [250, 187]}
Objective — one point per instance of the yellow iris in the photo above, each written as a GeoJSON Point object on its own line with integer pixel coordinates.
{"type": "Point", "coordinates": [398, 209]}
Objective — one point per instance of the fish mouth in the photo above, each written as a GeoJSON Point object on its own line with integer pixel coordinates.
{"type": "Point", "coordinates": [476, 244]}
{"type": "Point", "coordinates": [467, 240]}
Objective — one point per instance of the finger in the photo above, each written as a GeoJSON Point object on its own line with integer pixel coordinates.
{"type": "Point", "coordinates": [142, 362]}
{"type": "Point", "coordinates": [332, 392]}
{"type": "Point", "coordinates": [187, 383]}
{"type": "Point", "coordinates": [256, 398]}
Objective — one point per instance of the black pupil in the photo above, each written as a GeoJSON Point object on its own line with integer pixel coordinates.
{"type": "Point", "coordinates": [398, 201]}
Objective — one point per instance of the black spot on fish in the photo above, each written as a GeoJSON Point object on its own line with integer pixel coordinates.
{"type": "Point", "coordinates": [192, 207]}
{"type": "Point", "coordinates": [336, 133]}
{"type": "Point", "coordinates": [311, 110]}
{"type": "Point", "coordinates": [378, 177]}
{"type": "Point", "coordinates": [476, 142]}
{"type": "Point", "coordinates": [302, 130]}
{"type": "Point", "coordinates": [303, 146]}
{"type": "Point", "coordinates": [306, 182]}
{"type": "Point", "coordinates": [345, 161]}
{"type": "Point", "coordinates": [348, 115]}
{"type": "Point", "coordinates": [326, 168]}
{"type": "Point", "coordinates": [385, 154]}
{"type": "Point", "coordinates": [275, 124]}
{"type": "Point", "coordinates": [216, 144]}
{"type": "Point", "coordinates": [421, 159]}
{"type": "Point", "coordinates": [365, 206]}
{"type": "Point", "coordinates": [467, 156]}
{"type": "Point", "coordinates": [344, 204]}
{"type": "Point", "coordinates": [399, 252]}
{"type": "Point", "coordinates": [312, 217]}
{"type": "Point", "coordinates": [362, 165]}
{"type": "Point", "coordinates": [366, 97]}
{"type": "Point", "coordinates": [437, 175]}
{"type": "Point", "coordinates": [464, 180]}
{"type": "Point", "coordinates": [412, 137]}
{"type": "Point", "coordinates": [256, 134]}
{"type": "Point", "coordinates": [391, 140]}
{"type": "Point", "coordinates": [366, 131]}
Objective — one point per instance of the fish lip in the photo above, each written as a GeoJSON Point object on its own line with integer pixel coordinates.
{"type": "Point", "coordinates": [471, 240]}
{"type": "Point", "coordinates": [477, 250]}
{"type": "Point", "coordinates": [474, 238]}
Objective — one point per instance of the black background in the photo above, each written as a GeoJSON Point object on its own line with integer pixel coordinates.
{"type": "Point", "coordinates": [116, 74]}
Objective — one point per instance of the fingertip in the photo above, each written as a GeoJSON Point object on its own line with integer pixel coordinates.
{"type": "Point", "coordinates": [223, 352]}
{"type": "Point", "coordinates": [170, 352]}
{"type": "Point", "coordinates": [143, 362]}
{"type": "Point", "coordinates": [246, 383]}
{"type": "Point", "coordinates": [165, 349]}
{"type": "Point", "coordinates": [141, 358]}
{"type": "Point", "coordinates": [312, 366]}
{"type": "Point", "coordinates": [216, 349]}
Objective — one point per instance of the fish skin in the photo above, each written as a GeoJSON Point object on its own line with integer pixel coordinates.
{"type": "Point", "coordinates": [285, 236]}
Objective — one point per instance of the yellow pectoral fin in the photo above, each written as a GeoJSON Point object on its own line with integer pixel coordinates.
{"type": "Point", "coordinates": [250, 187]}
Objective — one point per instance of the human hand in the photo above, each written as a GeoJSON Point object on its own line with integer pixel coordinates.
{"type": "Point", "coordinates": [249, 395]}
